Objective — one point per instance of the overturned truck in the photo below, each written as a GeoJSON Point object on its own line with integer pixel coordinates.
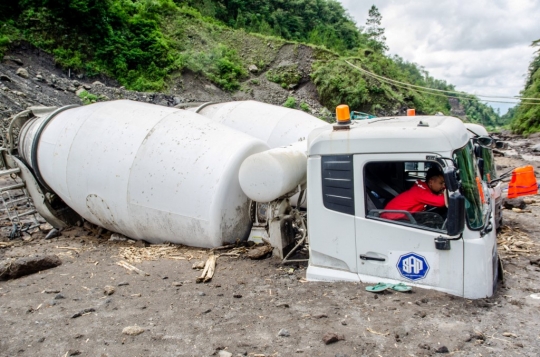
{"type": "Point", "coordinates": [223, 172]}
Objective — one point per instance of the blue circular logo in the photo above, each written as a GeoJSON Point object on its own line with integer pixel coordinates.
{"type": "Point", "coordinates": [412, 266]}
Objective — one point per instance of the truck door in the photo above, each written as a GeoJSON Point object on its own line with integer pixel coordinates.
{"type": "Point", "coordinates": [401, 250]}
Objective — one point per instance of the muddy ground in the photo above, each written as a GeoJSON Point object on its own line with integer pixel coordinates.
{"type": "Point", "coordinates": [71, 309]}
{"type": "Point", "coordinates": [248, 302]}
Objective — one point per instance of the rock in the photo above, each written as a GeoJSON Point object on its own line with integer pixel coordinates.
{"type": "Point", "coordinates": [45, 228]}
{"type": "Point", "coordinates": [510, 203]}
{"type": "Point", "coordinates": [27, 265]}
{"type": "Point", "coordinates": [22, 72]}
{"type": "Point", "coordinates": [331, 337]}
{"type": "Point", "coordinates": [73, 352]}
{"type": "Point", "coordinates": [223, 353]}
{"type": "Point", "coordinates": [282, 304]}
{"type": "Point", "coordinates": [132, 330]}
{"type": "Point", "coordinates": [201, 293]}
{"type": "Point", "coordinates": [237, 296]}
{"type": "Point", "coordinates": [53, 234]}
{"type": "Point", "coordinates": [400, 332]}
{"type": "Point", "coordinates": [14, 59]}
{"type": "Point", "coordinates": [283, 333]}
{"type": "Point", "coordinates": [123, 283]}
{"type": "Point", "coordinates": [4, 78]}
{"type": "Point", "coordinates": [476, 336]}
{"type": "Point", "coordinates": [535, 147]}
{"type": "Point", "coordinates": [528, 200]}
{"type": "Point", "coordinates": [177, 283]}
{"type": "Point", "coordinates": [198, 265]}
{"type": "Point", "coordinates": [71, 89]}
{"type": "Point", "coordinates": [59, 297]}
{"type": "Point", "coordinates": [97, 84]}
{"type": "Point", "coordinates": [442, 349]}
{"type": "Point", "coordinates": [344, 323]}
{"type": "Point", "coordinates": [259, 252]}
{"type": "Point", "coordinates": [320, 316]}
{"type": "Point", "coordinates": [253, 69]}
{"type": "Point", "coordinates": [82, 312]}
{"type": "Point", "coordinates": [116, 237]}
{"type": "Point", "coordinates": [108, 290]}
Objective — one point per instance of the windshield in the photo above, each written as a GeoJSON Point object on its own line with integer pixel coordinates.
{"type": "Point", "coordinates": [489, 165]}
{"type": "Point", "coordinates": [469, 186]}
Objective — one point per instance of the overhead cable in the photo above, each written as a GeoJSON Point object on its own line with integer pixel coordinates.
{"type": "Point", "coordinates": [456, 94]}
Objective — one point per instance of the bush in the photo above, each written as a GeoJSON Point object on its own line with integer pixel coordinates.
{"type": "Point", "coordinates": [285, 76]}
{"type": "Point", "coordinates": [290, 103]}
{"type": "Point", "coordinates": [222, 66]}
{"type": "Point", "coordinates": [305, 107]}
{"type": "Point", "coordinates": [89, 98]}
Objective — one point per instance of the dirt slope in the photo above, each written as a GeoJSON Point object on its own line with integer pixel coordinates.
{"type": "Point", "coordinates": [29, 77]}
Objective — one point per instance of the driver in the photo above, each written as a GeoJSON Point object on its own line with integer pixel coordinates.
{"type": "Point", "coordinates": [419, 196]}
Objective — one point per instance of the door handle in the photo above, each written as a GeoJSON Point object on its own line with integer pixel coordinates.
{"type": "Point", "coordinates": [365, 257]}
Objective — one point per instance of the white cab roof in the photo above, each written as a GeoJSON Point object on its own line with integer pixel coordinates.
{"type": "Point", "coordinates": [389, 135]}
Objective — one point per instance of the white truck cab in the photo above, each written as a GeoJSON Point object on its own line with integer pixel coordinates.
{"type": "Point", "coordinates": [355, 169]}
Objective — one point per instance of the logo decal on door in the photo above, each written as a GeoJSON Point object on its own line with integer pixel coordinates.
{"type": "Point", "coordinates": [412, 266]}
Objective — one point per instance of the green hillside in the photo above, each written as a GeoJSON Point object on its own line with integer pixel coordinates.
{"type": "Point", "coordinates": [526, 117]}
{"type": "Point", "coordinates": [146, 44]}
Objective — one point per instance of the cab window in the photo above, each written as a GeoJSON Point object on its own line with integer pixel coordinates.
{"type": "Point", "coordinates": [383, 181]}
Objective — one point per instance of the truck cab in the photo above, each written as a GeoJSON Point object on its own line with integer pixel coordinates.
{"type": "Point", "coordinates": [354, 170]}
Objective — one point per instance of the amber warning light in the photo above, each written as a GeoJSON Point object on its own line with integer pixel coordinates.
{"type": "Point", "coordinates": [343, 115]}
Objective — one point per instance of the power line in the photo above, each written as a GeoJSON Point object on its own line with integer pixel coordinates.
{"type": "Point", "coordinates": [430, 91]}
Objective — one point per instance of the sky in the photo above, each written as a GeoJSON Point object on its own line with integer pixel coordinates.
{"type": "Point", "coordinates": [480, 46]}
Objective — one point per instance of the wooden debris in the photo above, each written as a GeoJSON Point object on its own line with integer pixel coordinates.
{"type": "Point", "coordinates": [154, 252]}
{"type": "Point", "coordinates": [228, 246]}
{"type": "Point", "coordinates": [514, 241]}
{"type": "Point", "coordinates": [377, 333]}
{"type": "Point", "coordinates": [259, 252]}
{"type": "Point", "coordinates": [131, 268]}
{"type": "Point", "coordinates": [519, 210]}
{"type": "Point", "coordinates": [509, 334]}
{"type": "Point", "coordinates": [5, 244]}
{"type": "Point", "coordinates": [209, 269]}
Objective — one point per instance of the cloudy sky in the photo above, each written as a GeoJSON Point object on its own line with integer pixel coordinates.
{"type": "Point", "coordinates": [480, 46]}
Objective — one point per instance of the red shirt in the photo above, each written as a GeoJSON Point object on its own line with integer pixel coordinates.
{"type": "Point", "coordinates": [413, 200]}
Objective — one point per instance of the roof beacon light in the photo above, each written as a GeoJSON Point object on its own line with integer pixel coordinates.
{"type": "Point", "coordinates": [343, 115]}
{"type": "Point", "coordinates": [411, 112]}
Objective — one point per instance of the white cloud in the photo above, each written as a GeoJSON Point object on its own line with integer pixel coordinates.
{"type": "Point", "coordinates": [480, 46]}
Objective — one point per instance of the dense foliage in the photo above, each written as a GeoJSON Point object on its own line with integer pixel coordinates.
{"type": "Point", "coordinates": [527, 114]}
{"type": "Point", "coordinates": [144, 44]}
{"type": "Point", "coordinates": [320, 22]}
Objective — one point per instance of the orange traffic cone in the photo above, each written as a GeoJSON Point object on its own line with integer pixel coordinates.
{"type": "Point", "coordinates": [523, 182]}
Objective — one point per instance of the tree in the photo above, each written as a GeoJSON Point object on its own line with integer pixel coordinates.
{"type": "Point", "coordinates": [374, 31]}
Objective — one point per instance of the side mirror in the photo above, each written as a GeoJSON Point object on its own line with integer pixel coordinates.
{"type": "Point", "coordinates": [456, 214]}
{"type": "Point", "coordinates": [450, 179]}
{"type": "Point", "coordinates": [501, 145]}
{"type": "Point", "coordinates": [485, 141]}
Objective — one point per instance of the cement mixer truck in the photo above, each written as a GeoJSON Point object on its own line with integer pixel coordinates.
{"type": "Point", "coordinates": [226, 172]}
